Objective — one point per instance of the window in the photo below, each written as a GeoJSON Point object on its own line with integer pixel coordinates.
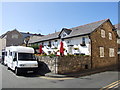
{"type": "Point", "coordinates": [103, 33]}
{"type": "Point", "coordinates": [68, 41]}
{"type": "Point", "coordinates": [111, 52]}
{"type": "Point", "coordinates": [64, 35]}
{"type": "Point", "coordinates": [83, 40]}
{"type": "Point", "coordinates": [5, 53]}
{"type": "Point", "coordinates": [55, 40]}
{"type": "Point", "coordinates": [110, 36]}
{"type": "Point", "coordinates": [10, 53]}
{"type": "Point", "coordinates": [118, 49]}
{"type": "Point", "coordinates": [101, 51]}
{"type": "Point", "coordinates": [15, 36]}
{"type": "Point", "coordinates": [62, 39]}
{"type": "Point", "coordinates": [26, 56]}
{"type": "Point", "coordinates": [42, 43]}
{"type": "Point", "coordinates": [49, 44]}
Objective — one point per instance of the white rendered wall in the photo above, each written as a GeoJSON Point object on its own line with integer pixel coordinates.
{"type": "Point", "coordinates": [76, 44]}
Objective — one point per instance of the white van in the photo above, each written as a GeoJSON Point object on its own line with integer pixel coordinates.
{"type": "Point", "coordinates": [19, 59]}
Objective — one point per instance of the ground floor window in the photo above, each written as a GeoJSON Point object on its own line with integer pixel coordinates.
{"type": "Point", "coordinates": [101, 51]}
{"type": "Point", "coordinates": [111, 52]}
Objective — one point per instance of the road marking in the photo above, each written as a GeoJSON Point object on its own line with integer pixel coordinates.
{"type": "Point", "coordinates": [112, 85]}
{"type": "Point", "coordinates": [55, 78]}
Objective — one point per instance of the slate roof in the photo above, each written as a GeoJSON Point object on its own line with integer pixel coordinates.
{"type": "Point", "coordinates": [3, 35]}
{"type": "Point", "coordinates": [29, 34]}
{"type": "Point", "coordinates": [117, 26]}
{"type": "Point", "coordinates": [76, 31]}
{"type": "Point", "coordinates": [24, 35]}
{"type": "Point", "coordinates": [46, 37]}
{"type": "Point", "coordinates": [85, 29]}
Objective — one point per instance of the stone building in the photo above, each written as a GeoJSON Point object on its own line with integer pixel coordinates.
{"type": "Point", "coordinates": [14, 38]}
{"type": "Point", "coordinates": [117, 26]}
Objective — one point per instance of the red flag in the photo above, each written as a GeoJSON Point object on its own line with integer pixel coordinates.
{"type": "Point", "coordinates": [40, 49]}
{"type": "Point", "coordinates": [61, 48]}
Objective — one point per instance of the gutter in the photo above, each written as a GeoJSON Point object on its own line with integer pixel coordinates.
{"type": "Point", "coordinates": [76, 36]}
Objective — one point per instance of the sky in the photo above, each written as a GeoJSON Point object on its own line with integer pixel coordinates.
{"type": "Point", "coordinates": [48, 17]}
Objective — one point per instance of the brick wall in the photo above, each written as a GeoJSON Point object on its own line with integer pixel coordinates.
{"type": "Point", "coordinates": [98, 41]}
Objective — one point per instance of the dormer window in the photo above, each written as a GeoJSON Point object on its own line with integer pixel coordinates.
{"type": "Point", "coordinates": [102, 33]}
{"type": "Point", "coordinates": [64, 35]}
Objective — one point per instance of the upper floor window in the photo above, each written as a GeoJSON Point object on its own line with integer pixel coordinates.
{"type": "Point", "coordinates": [64, 35]}
{"type": "Point", "coordinates": [42, 43]}
{"type": "Point", "coordinates": [110, 36]}
{"type": "Point", "coordinates": [55, 40]}
{"type": "Point", "coordinates": [49, 44]}
{"type": "Point", "coordinates": [103, 33]}
{"type": "Point", "coordinates": [15, 36]}
{"type": "Point", "coordinates": [83, 40]}
{"type": "Point", "coordinates": [111, 52]}
{"type": "Point", "coordinates": [101, 51]}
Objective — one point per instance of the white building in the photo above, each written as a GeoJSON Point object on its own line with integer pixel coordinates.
{"type": "Point", "coordinates": [75, 40]}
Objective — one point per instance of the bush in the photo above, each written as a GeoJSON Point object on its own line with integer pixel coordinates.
{"type": "Point", "coordinates": [35, 46]}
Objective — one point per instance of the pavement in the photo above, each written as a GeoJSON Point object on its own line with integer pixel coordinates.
{"type": "Point", "coordinates": [81, 73]}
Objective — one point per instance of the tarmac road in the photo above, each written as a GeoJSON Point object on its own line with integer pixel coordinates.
{"type": "Point", "coordinates": [99, 80]}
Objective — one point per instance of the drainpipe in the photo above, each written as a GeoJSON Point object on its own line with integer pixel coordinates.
{"type": "Point", "coordinates": [91, 50]}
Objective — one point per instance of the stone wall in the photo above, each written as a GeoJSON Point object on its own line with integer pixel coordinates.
{"type": "Point", "coordinates": [66, 64]}
{"type": "Point", "coordinates": [97, 41]}
{"type": "Point", "coordinates": [71, 64]}
{"type": "Point", "coordinates": [50, 61]}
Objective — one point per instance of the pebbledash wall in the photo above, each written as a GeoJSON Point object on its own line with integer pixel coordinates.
{"type": "Point", "coordinates": [66, 64]}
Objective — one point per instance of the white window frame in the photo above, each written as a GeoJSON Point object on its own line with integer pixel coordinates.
{"type": "Point", "coordinates": [111, 52]}
{"type": "Point", "coordinates": [110, 36]}
{"type": "Point", "coordinates": [102, 33]}
{"type": "Point", "coordinates": [14, 36]}
{"type": "Point", "coordinates": [101, 51]}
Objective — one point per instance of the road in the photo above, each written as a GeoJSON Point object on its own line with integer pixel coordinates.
{"type": "Point", "coordinates": [99, 80]}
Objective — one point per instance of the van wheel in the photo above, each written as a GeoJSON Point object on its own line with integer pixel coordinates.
{"type": "Point", "coordinates": [17, 72]}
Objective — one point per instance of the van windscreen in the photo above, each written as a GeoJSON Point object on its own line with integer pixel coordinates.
{"type": "Point", "coordinates": [26, 56]}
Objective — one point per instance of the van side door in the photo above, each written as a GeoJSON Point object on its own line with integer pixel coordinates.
{"type": "Point", "coordinates": [14, 63]}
